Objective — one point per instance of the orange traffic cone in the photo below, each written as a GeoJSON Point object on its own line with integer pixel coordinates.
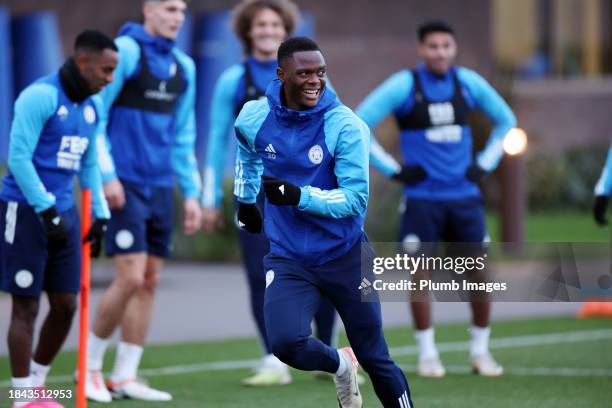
{"type": "Point", "coordinates": [595, 309]}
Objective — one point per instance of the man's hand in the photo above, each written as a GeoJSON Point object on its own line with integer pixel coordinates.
{"type": "Point", "coordinates": [193, 216]}
{"type": "Point", "coordinates": [113, 191]}
{"type": "Point", "coordinates": [212, 218]}
{"type": "Point", "coordinates": [281, 192]}
{"type": "Point", "coordinates": [95, 236]}
{"type": "Point", "coordinates": [249, 218]}
{"type": "Point", "coordinates": [475, 173]}
{"type": "Point", "coordinates": [56, 231]}
{"type": "Point", "coordinates": [600, 208]}
{"type": "Point", "coordinates": [410, 175]}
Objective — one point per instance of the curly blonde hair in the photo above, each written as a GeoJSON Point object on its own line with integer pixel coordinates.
{"type": "Point", "coordinates": [244, 12]}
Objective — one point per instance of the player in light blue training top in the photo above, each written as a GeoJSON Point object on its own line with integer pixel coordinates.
{"type": "Point", "coordinates": [312, 153]}
{"type": "Point", "coordinates": [603, 190]}
{"type": "Point", "coordinates": [52, 139]}
{"type": "Point", "coordinates": [442, 201]}
{"type": "Point", "coordinates": [261, 25]}
{"type": "Point", "coordinates": [150, 129]}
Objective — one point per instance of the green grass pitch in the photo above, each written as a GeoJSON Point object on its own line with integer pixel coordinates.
{"type": "Point", "coordinates": [556, 363]}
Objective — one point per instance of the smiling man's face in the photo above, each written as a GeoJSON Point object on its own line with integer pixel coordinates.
{"type": "Point", "coordinates": [304, 77]}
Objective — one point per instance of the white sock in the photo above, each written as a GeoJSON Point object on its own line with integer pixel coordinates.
{"type": "Point", "coordinates": [126, 362]}
{"type": "Point", "coordinates": [38, 373]}
{"type": "Point", "coordinates": [20, 383]}
{"type": "Point", "coordinates": [342, 367]}
{"type": "Point", "coordinates": [270, 360]}
{"type": "Point", "coordinates": [426, 343]}
{"type": "Point", "coordinates": [480, 340]}
{"type": "Point", "coordinates": [96, 347]}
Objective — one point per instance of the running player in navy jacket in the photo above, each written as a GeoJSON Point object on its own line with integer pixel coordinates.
{"type": "Point", "coordinates": [52, 139]}
{"type": "Point", "coordinates": [261, 25]}
{"type": "Point", "coordinates": [442, 201]}
{"type": "Point", "coordinates": [150, 129]}
{"type": "Point", "coordinates": [312, 152]}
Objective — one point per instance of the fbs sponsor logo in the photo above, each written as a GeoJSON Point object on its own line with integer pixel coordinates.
{"type": "Point", "coordinates": [70, 151]}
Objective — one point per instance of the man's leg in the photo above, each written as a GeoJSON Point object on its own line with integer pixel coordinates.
{"type": "Point", "coordinates": [19, 339]}
{"type": "Point", "coordinates": [325, 322]}
{"type": "Point", "coordinates": [137, 318]}
{"type": "Point", "coordinates": [420, 226]}
{"type": "Point", "coordinates": [135, 323]}
{"type": "Point", "coordinates": [272, 371]}
{"type": "Point", "coordinates": [129, 278]}
{"type": "Point", "coordinates": [291, 301]}
{"type": "Point", "coordinates": [253, 248]}
{"type": "Point", "coordinates": [125, 240]}
{"type": "Point", "coordinates": [363, 324]}
{"type": "Point", "coordinates": [56, 326]}
{"type": "Point", "coordinates": [20, 334]}
{"type": "Point", "coordinates": [467, 225]}
{"type": "Point", "coordinates": [130, 271]}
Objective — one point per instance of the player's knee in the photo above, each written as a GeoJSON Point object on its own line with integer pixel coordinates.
{"type": "Point", "coordinates": [25, 311]}
{"type": "Point", "coordinates": [287, 347]}
{"type": "Point", "coordinates": [151, 280]}
{"type": "Point", "coordinates": [64, 306]}
{"type": "Point", "coordinates": [131, 282]}
{"type": "Point", "coordinates": [131, 271]}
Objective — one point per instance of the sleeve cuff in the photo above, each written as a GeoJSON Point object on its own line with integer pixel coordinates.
{"type": "Point", "coordinates": [246, 200]}
{"type": "Point", "coordinates": [192, 194]}
{"type": "Point", "coordinates": [305, 198]}
{"type": "Point", "coordinates": [106, 177]}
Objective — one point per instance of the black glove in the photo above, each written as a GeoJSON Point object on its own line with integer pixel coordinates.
{"type": "Point", "coordinates": [249, 218]}
{"type": "Point", "coordinates": [95, 236]}
{"type": "Point", "coordinates": [600, 209]}
{"type": "Point", "coordinates": [281, 192]}
{"type": "Point", "coordinates": [476, 173]}
{"type": "Point", "coordinates": [410, 175]}
{"type": "Point", "coordinates": [57, 233]}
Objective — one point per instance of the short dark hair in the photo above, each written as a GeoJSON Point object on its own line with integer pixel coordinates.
{"type": "Point", "coordinates": [94, 41]}
{"type": "Point", "coordinates": [434, 26]}
{"type": "Point", "coordinates": [293, 45]}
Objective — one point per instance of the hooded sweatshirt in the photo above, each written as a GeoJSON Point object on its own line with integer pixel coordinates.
{"type": "Point", "coordinates": [52, 140]}
{"type": "Point", "coordinates": [147, 134]}
{"type": "Point", "coordinates": [324, 151]}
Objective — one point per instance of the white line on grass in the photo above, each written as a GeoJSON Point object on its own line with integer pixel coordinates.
{"type": "Point", "coordinates": [527, 371]}
{"type": "Point", "coordinates": [505, 342]}
{"type": "Point", "coordinates": [517, 341]}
